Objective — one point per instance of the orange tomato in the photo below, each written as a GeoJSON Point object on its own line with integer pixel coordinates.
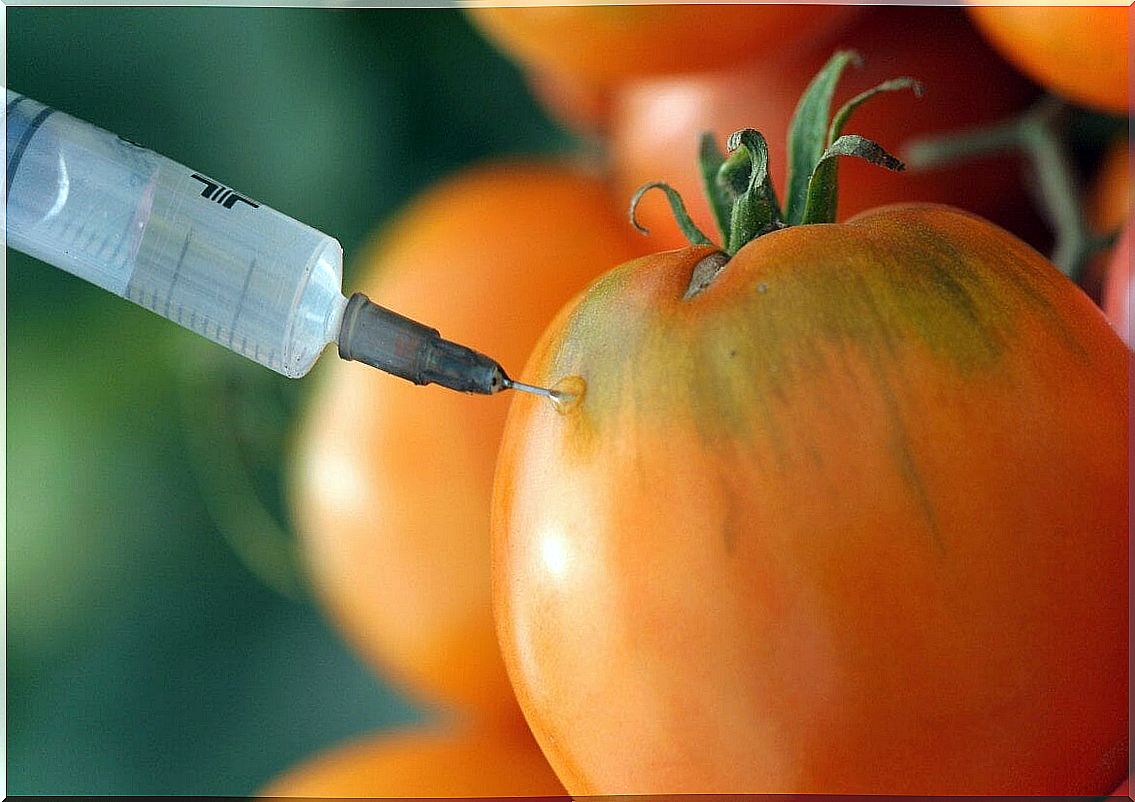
{"type": "Point", "coordinates": [424, 764]}
{"type": "Point", "coordinates": [583, 108]}
{"type": "Point", "coordinates": [1079, 52]}
{"type": "Point", "coordinates": [656, 124]}
{"type": "Point", "coordinates": [837, 523]}
{"type": "Point", "coordinates": [603, 45]}
{"type": "Point", "coordinates": [392, 482]}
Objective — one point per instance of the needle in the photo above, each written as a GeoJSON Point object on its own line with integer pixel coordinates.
{"type": "Point", "coordinates": [528, 388]}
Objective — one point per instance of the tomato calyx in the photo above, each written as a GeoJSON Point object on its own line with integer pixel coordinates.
{"type": "Point", "coordinates": [738, 184]}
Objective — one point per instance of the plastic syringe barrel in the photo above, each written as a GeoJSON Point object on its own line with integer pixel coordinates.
{"type": "Point", "coordinates": [170, 239]}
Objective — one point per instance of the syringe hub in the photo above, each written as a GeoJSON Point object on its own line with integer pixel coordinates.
{"type": "Point", "coordinates": [403, 347]}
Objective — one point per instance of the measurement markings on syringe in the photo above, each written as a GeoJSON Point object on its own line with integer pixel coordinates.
{"type": "Point", "coordinates": [240, 300]}
{"type": "Point", "coordinates": [219, 193]}
{"type": "Point", "coordinates": [177, 270]}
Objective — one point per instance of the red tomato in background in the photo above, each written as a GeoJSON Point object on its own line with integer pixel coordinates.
{"type": "Point", "coordinates": [853, 519]}
{"type": "Point", "coordinates": [1111, 205]}
{"type": "Point", "coordinates": [604, 45]}
{"type": "Point", "coordinates": [1079, 52]}
{"type": "Point", "coordinates": [1118, 289]}
{"type": "Point", "coordinates": [657, 124]}
{"type": "Point", "coordinates": [1112, 195]}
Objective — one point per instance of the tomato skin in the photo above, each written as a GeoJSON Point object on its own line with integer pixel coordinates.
{"type": "Point", "coordinates": [603, 45]}
{"type": "Point", "coordinates": [392, 482]}
{"type": "Point", "coordinates": [656, 124]}
{"type": "Point", "coordinates": [1078, 52]}
{"type": "Point", "coordinates": [834, 525]}
{"type": "Point", "coordinates": [426, 763]}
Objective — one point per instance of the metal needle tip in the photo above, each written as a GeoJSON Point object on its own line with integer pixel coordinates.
{"type": "Point", "coordinates": [528, 388]}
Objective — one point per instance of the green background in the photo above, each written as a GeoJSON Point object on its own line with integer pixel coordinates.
{"type": "Point", "coordinates": [148, 652]}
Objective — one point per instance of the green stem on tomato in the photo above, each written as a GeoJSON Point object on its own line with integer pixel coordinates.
{"type": "Point", "coordinates": [677, 206]}
{"type": "Point", "coordinates": [745, 176]}
{"type": "Point", "coordinates": [739, 186]}
{"type": "Point", "coordinates": [710, 162]}
{"type": "Point", "coordinates": [1039, 135]}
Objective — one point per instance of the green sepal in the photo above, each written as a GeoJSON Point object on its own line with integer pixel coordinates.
{"type": "Point", "coordinates": [710, 159]}
{"type": "Point", "coordinates": [681, 215]}
{"type": "Point", "coordinates": [845, 112]}
{"type": "Point", "coordinates": [807, 134]}
{"type": "Point", "coordinates": [745, 176]}
{"type": "Point", "coordinates": [738, 185]}
{"type": "Point", "coordinates": [822, 195]}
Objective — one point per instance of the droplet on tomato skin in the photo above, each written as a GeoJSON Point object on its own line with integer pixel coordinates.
{"type": "Point", "coordinates": [567, 393]}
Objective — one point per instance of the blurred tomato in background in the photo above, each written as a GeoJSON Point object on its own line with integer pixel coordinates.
{"type": "Point", "coordinates": [1081, 53]}
{"type": "Point", "coordinates": [1110, 211]}
{"type": "Point", "coordinates": [1111, 195]}
{"type": "Point", "coordinates": [393, 481]}
{"type": "Point", "coordinates": [576, 57]}
{"type": "Point", "coordinates": [430, 763]}
{"type": "Point", "coordinates": [605, 45]}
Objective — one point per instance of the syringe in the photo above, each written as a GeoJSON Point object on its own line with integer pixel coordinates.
{"type": "Point", "coordinates": [207, 257]}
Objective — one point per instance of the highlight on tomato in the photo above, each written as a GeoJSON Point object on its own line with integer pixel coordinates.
{"type": "Point", "coordinates": [392, 483]}
{"type": "Point", "coordinates": [822, 508]}
{"type": "Point", "coordinates": [1079, 52]}
{"type": "Point", "coordinates": [423, 763]}
{"type": "Point", "coordinates": [656, 124]}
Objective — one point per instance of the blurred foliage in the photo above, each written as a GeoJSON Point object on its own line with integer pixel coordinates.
{"type": "Point", "coordinates": [143, 655]}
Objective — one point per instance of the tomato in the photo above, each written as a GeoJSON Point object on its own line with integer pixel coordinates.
{"type": "Point", "coordinates": [1111, 203]}
{"type": "Point", "coordinates": [1118, 287]}
{"type": "Point", "coordinates": [393, 482]}
{"type": "Point", "coordinates": [581, 107]}
{"type": "Point", "coordinates": [603, 45]}
{"type": "Point", "coordinates": [850, 519]}
{"type": "Point", "coordinates": [424, 764]}
{"type": "Point", "coordinates": [1112, 196]}
{"type": "Point", "coordinates": [1078, 52]}
{"type": "Point", "coordinates": [656, 124]}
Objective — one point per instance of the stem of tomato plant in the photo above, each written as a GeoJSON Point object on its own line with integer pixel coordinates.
{"type": "Point", "coordinates": [1038, 135]}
